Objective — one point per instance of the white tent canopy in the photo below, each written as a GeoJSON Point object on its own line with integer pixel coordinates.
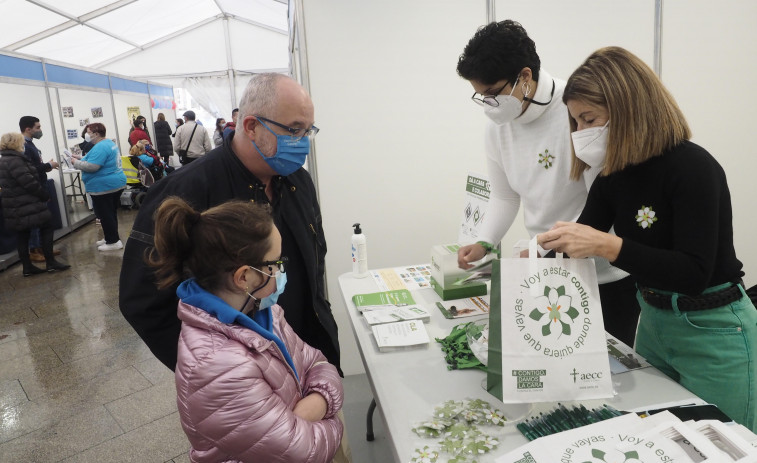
{"type": "Point", "coordinates": [215, 43]}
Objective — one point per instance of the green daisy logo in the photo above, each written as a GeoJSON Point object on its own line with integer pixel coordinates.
{"type": "Point", "coordinates": [645, 217]}
{"type": "Point", "coordinates": [546, 159]}
{"type": "Point", "coordinates": [615, 456]}
{"type": "Point", "coordinates": [555, 305]}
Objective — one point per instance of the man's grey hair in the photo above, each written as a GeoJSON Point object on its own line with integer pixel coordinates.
{"type": "Point", "coordinates": [259, 97]}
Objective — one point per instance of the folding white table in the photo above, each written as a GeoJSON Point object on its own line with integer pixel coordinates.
{"type": "Point", "coordinates": [408, 384]}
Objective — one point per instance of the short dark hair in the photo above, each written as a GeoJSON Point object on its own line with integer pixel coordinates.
{"type": "Point", "coordinates": [27, 122]}
{"type": "Point", "coordinates": [498, 51]}
{"type": "Point", "coordinates": [98, 128]}
{"type": "Point", "coordinates": [234, 111]}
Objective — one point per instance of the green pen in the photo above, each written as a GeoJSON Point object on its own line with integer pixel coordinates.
{"type": "Point", "coordinates": [560, 421]}
{"type": "Point", "coordinates": [580, 417]}
{"type": "Point", "coordinates": [526, 431]}
{"type": "Point", "coordinates": [534, 432]}
{"type": "Point", "coordinates": [605, 413]}
{"type": "Point", "coordinates": [543, 429]}
{"type": "Point", "coordinates": [576, 423]}
{"type": "Point", "coordinates": [567, 417]}
{"type": "Point", "coordinates": [588, 415]}
{"type": "Point", "coordinates": [613, 410]}
{"type": "Point", "coordinates": [553, 428]}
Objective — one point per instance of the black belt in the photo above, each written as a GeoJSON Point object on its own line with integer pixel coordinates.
{"type": "Point", "coordinates": [688, 303]}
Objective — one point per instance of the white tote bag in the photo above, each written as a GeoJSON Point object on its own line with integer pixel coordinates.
{"type": "Point", "coordinates": [553, 345]}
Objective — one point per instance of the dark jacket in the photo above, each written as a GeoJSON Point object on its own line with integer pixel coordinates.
{"type": "Point", "coordinates": [85, 146]}
{"type": "Point", "coordinates": [33, 154]}
{"type": "Point", "coordinates": [163, 138]}
{"type": "Point", "coordinates": [215, 178]}
{"type": "Point", "coordinates": [24, 199]}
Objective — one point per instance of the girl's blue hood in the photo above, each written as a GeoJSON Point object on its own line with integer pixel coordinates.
{"type": "Point", "coordinates": [261, 322]}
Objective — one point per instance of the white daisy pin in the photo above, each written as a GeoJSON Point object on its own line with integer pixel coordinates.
{"type": "Point", "coordinates": [645, 217]}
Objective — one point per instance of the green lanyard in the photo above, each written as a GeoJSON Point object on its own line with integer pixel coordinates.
{"type": "Point", "coordinates": [457, 352]}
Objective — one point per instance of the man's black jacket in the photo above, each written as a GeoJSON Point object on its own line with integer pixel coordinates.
{"type": "Point", "coordinates": [215, 178]}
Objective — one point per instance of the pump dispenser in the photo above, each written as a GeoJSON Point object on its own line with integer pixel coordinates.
{"type": "Point", "coordinates": [359, 253]}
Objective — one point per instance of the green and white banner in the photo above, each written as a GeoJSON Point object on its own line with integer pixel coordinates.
{"type": "Point", "coordinates": [551, 342]}
{"type": "Point", "coordinates": [477, 189]}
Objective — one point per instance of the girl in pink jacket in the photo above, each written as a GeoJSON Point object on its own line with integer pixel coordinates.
{"type": "Point", "coordinates": [248, 388]}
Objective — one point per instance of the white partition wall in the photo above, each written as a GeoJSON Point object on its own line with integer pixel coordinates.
{"type": "Point", "coordinates": [79, 108]}
{"type": "Point", "coordinates": [122, 102]}
{"type": "Point", "coordinates": [399, 132]}
{"type": "Point", "coordinates": [709, 61]}
{"type": "Point", "coordinates": [74, 109]}
{"type": "Point", "coordinates": [567, 32]}
{"type": "Point", "coordinates": [28, 100]}
{"type": "Point", "coordinates": [23, 99]}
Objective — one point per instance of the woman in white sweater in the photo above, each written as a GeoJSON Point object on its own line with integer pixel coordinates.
{"type": "Point", "coordinates": [528, 153]}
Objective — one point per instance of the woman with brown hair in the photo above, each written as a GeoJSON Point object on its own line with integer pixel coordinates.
{"type": "Point", "coordinates": [669, 202]}
{"type": "Point", "coordinates": [24, 201]}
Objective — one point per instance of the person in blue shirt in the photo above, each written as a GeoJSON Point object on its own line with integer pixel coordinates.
{"type": "Point", "coordinates": [105, 181]}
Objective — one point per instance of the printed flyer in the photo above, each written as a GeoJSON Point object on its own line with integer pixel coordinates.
{"type": "Point", "coordinates": [477, 189]}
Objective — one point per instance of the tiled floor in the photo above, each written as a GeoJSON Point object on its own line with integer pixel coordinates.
{"type": "Point", "coordinates": [78, 385]}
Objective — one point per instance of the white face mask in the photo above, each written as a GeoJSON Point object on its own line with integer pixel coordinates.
{"type": "Point", "coordinates": [509, 108]}
{"type": "Point", "coordinates": [590, 145]}
{"type": "Point", "coordinates": [87, 137]}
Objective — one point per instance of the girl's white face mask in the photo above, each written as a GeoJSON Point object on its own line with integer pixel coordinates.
{"type": "Point", "coordinates": [509, 108]}
{"type": "Point", "coordinates": [590, 144]}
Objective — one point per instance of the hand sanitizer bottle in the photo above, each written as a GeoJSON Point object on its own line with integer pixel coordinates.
{"type": "Point", "coordinates": [359, 253]}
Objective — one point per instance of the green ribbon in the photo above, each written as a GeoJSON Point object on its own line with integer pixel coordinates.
{"type": "Point", "coordinates": [457, 352]}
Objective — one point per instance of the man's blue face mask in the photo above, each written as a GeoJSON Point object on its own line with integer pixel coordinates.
{"type": "Point", "coordinates": [290, 153]}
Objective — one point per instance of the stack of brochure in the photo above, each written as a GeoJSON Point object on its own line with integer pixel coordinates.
{"type": "Point", "coordinates": [400, 335]}
{"type": "Point", "coordinates": [396, 314]}
{"type": "Point", "coordinates": [394, 318]}
{"type": "Point", "coordinates": [629, 438]}
{"type": "Point", "coordinates": [383, 300]}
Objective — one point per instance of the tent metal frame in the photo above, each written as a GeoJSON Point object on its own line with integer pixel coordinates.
{"type": "Point", "coordinates": [72, 21]}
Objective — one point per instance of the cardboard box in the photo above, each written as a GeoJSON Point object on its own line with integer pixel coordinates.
{"type": "Point", "coordinates": [459, 292]}
{"type": "Point", "coordinates": [447, 278]}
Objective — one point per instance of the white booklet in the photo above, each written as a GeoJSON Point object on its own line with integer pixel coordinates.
{"type": "Point", "coordinates": [396, 314]}
{"type": "Point", "coordinates": [622, 357]}
{"type": "Point", "coordinates": [392, 336]}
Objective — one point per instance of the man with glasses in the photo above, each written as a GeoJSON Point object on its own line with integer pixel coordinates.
{"type": "Point", "coordinates": [528, 154]}
{"type": "Point", "coordinates": [261, 161]}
